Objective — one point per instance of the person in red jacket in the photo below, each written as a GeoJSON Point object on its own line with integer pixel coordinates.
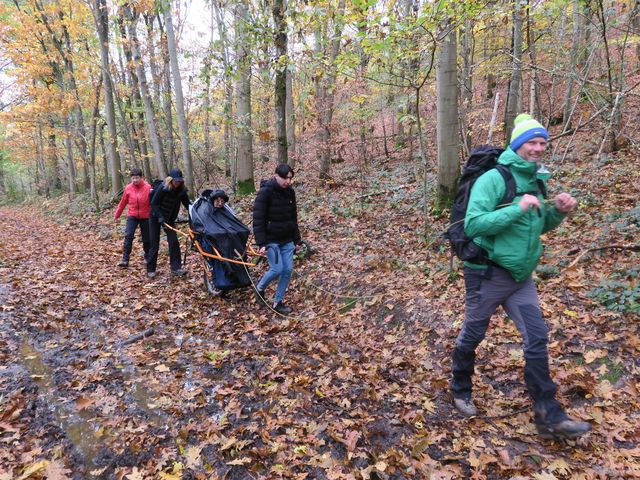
{"type": "Point", "coordinates": [136, 198]}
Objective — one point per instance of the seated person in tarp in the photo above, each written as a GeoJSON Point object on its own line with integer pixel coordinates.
{"type": "Point", "coordinates": [220, 200]}
{"type": "Point", "coordinates": [217, 226]}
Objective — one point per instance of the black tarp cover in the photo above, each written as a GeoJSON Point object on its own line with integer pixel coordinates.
{"type": "Point", "coordinates": [222, 229]}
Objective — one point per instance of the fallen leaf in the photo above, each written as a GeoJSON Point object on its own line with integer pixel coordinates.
{"type": "Point", "coordinates": [56, 471]}
{"type": "Point", "coordinates": [83, 402]}
{"type": "Point", "coordinates": [192, 456]}
{"type": "Point", "coordinates": [593, 355]}
{"type": "Point", "coordinates": [135, 475]}
{"type": "Point", "coordinates": [33, 468]}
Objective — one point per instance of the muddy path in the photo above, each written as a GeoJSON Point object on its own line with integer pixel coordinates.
{"type": "Point", "coordinates": [191, 399]}
{"type": "Point", "coordinates": [353, 387]}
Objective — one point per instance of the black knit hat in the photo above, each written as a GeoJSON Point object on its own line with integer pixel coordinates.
{"type": "Point", "coordinates": [219, 194]}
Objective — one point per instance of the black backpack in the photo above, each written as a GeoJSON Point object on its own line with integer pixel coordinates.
{"type": "Point", "coordinates": [481, 160]}
{"type": "Point", "coordinates": [155, 185]}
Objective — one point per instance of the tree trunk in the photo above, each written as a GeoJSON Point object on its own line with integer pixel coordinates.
{"type": "Point", "coordinates": [92, 146]}
{"type": "Point", "coordinates": [576, 45]}
{"type": "Point", "coordinates": [152, 131]}
{"type": "Point", "coordinates": [137, 124]}
{"type": "Point", "coordinates": [244, 162]}
{"type": "Point", "coordinates": [534, 99]}
{"type": "Point", "coordinates": [448, 139]}
{"type": "Point", "coordinates": [291, 121]}
{"type": "Point", "coordinates": [156, 75]}
{"type": "Point", "coordinates": [52, 156]}
{"type": "Point", "coordinates": [71, 168]}
{"type": "Point", "coordinates": [166, 97]}
{"type": "Point", "coordinates": [81, 133]}
{"type": "Point", "coordinates": [177, 87]}
{"type": "Point", "coordinates": [129, 77]}
{"type": "Point", "coordinates": [100, 14]}
{"type": "Point", "coordinates": [281, 67]}
{"type": "Point", "coordinates": [106, 164]}
{"type": "Point", "coordinates": [228, 88]}
{"type": "Point", "coordinates": [635, 23]}
{"type": "Point", "coordinates": [126, 132]}
{"type": "Point", "coordinates": [614, 98]}
{"type": "Point", "coordinates": [40, 151]}
{"type": "Point", "coordinates": [325, 87]}
{"type": "Point", "coordinates": [515, 85]}
{"type": "Point", "coordinates": [206, 106]}
{"type": "Point", "coordinates": [467, 84]}
{"type": "Point", "coordinates": [64, 48]}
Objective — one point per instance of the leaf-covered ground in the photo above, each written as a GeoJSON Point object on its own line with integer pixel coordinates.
{"type": "Point", "coordinates": [353, 386]}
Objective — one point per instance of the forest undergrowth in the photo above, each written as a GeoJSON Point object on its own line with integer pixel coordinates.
{"type": "Point", "coordinates": [354, 384]}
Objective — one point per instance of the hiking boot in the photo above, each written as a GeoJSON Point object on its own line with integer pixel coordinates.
{"type": "Point", "coordinates": [282, 309]}
{"type": "Point", "coordinates": [565, 429]}
{"type": "Point", "coordinates": [465, 407]}
{"type": "Point", "coordinates": [151, 274]}
{"type": "Point", "coordinates": [181, 272]}
{"type": "Point", "coordinates": [123, 263]}
{"type": "Point", "coordinates": [260, 298]}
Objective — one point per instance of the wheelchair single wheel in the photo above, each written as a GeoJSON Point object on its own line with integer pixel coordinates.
{"type": "Point", "coordinates": [209, 285]}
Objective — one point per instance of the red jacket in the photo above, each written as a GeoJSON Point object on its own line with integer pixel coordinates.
{"type": "Point", "coordinates": [136, 197]}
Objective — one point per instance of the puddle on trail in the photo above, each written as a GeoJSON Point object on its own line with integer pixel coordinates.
{"type": "Point", "coordinates": [143, 397]}
{"type": "Point", "coordinates": [81, 428]}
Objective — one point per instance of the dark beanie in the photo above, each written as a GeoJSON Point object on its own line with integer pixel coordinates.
{"type": "Point", "coordinates": [219, 194]}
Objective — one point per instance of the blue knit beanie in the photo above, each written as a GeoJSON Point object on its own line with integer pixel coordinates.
{"type": "Point", "coordinates": [524, 129]}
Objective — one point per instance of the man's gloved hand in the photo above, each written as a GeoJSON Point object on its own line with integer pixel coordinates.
{"type": "Point", "coordinates": [160, 220]}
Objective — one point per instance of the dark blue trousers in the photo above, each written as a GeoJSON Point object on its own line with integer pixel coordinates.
{"type": "Point", "coordinates": [129, 234]}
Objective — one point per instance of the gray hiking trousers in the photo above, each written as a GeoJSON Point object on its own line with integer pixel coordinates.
{"type": "Point", "coordinates": [485, 291]}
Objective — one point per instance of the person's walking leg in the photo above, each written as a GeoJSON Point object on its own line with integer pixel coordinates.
{"type": "Point", "coordinates": [523, 307]}
{"type": "Point", "coordinates": [154, 245]}
{"type": "Point", "coordinates": [286, 254]}
{"type": "Point", "coordinates": [174, 251]}
{"type": "Point", "coordinates": [484, 292]}
{"type": "Point", "coordinates": [129, 233]}
{"type": "Point", "coordinates": [144, 233]}
{"type": "Point", "coordinates": [275, 267]}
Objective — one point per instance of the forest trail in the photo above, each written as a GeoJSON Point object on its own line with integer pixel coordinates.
{"type": "Point", "coordinates": [352, 388]}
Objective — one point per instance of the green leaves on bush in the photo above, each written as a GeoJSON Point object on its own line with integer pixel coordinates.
{"type": "Point", "coordinates": [618, 293]}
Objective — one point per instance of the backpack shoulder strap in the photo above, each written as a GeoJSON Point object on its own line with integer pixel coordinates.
{"type": "Point", "coordinates": [542, 187]}
{"type": "Point", "coordinates": [509, 183]}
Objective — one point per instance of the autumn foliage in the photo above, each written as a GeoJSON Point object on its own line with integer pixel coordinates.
{"type": "Point", "coordinates": [353, 386]}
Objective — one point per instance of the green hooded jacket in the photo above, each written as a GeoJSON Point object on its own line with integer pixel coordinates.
{"type": "Point", "coordinates": [510, 236]}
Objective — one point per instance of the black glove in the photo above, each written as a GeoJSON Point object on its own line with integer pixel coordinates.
{"type": "Point", "coordinates": [160, 220]}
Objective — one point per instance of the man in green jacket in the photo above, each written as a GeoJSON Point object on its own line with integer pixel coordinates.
{"type": "Point", "coordinates": [510, 235]}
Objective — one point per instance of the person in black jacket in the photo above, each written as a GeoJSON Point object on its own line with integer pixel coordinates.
{"type": "Point", "coordinates": [165, 206]}
{"type": "Point", "coordinates": [275, 227]}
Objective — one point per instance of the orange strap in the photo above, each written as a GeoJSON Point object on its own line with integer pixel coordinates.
{"type": "Point", "coordinates": [217, 255]}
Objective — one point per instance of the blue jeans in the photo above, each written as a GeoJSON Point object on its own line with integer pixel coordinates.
{"type": "Point", "coordinates": [485, 291]}
{"type": "Point", "coordinates": [280, 257]}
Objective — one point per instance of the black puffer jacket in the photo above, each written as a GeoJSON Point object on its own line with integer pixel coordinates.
{"type": "Point", "coordinates": [275, 216]}
{"type": "Point", "coordinates": [166, 203]}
